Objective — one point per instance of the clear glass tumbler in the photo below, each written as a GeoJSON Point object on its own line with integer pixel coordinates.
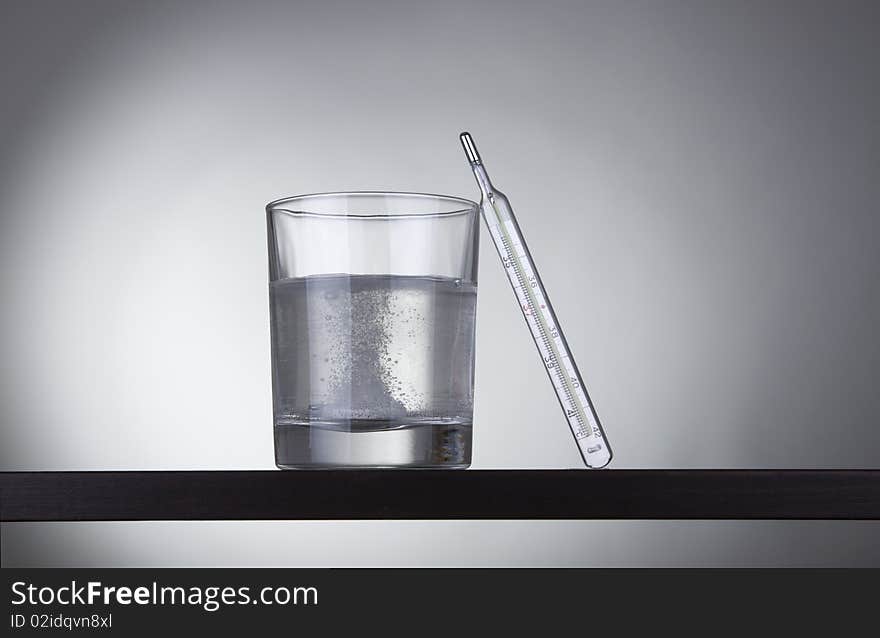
{"type": "Point", "coordinates": [373, 299]}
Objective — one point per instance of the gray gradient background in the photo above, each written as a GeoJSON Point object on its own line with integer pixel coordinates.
{"type": "Point", "coordinates": [698, 182]}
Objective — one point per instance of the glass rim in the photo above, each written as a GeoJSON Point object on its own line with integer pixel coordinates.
{"type": "Point", "coordinates": [465, 206]}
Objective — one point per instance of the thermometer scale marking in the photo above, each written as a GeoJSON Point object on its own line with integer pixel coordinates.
{"type": "Point", "coordinates": [537, 313]}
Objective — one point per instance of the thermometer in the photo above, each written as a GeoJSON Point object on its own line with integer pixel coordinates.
{"type": "Point", "coordinates": [539, 315]}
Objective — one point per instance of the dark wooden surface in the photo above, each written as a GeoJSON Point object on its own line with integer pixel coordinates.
{"type": "Point", "coordinates": [440, 494]}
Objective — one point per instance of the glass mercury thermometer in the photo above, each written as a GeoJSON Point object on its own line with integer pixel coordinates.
{"type": "Point", "coordinates": [539, 315]}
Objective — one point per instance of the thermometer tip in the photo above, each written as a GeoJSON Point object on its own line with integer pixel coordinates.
{"type": "Point", "coordinates": [470, 148]}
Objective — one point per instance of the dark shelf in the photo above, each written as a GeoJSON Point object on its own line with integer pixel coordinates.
{"type": "Point", "coordinates": [440, 494]}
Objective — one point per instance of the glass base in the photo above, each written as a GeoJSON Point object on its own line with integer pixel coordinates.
{"type": "Point", "coordinates": [353, 444]}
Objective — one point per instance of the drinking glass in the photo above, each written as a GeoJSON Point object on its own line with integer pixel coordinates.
{"type": "Point", "coordinates": [372, 316]}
